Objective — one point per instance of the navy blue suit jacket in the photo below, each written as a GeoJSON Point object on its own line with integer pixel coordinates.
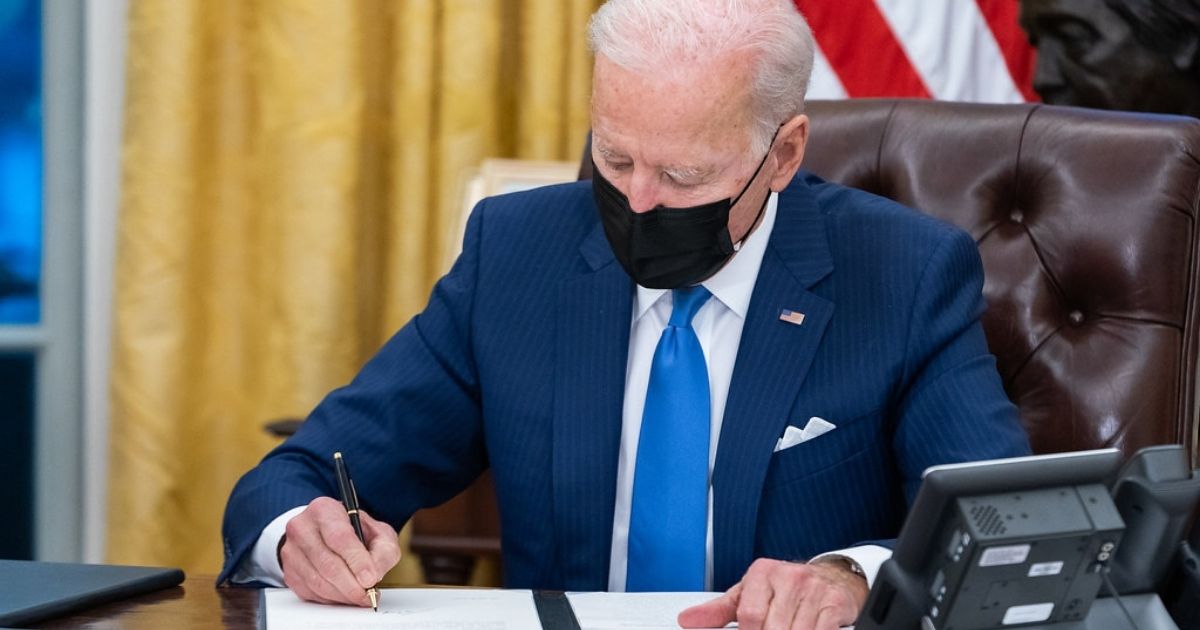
{"type": "Point", "coordinates": [518, 364]}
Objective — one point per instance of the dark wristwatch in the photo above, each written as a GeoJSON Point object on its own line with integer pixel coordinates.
{"type": "Point", "coordinates": [279, 550]}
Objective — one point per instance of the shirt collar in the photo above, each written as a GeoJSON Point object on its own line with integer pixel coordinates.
{"type": "Point", "coordinates": [734, 283]}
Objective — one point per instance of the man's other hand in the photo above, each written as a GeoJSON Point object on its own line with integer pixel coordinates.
{"type": "Point", "coordinates": [323, 560]}
{"type": "Point", "coordinates": [776, 595]}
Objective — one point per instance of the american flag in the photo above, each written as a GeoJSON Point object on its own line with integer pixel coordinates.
{"type": "Point", "coordinates": [792, 317]}
{"type": "Point", "coordinates": [960, 50]}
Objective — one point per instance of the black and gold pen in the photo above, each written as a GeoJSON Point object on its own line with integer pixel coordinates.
{"type": "Point", "coordinates": [350, 500]}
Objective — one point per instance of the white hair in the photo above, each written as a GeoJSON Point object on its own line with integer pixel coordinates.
{"type": "Point", "coordinates": [662, 36]}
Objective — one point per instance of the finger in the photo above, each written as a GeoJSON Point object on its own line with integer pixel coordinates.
{"type": "Point", "coordinates": [808, 608]}
{"type": "Point", "coordinates": [786, 599]}
{"type": "Point", "coordinates": [338, 535]}
{"type": "Point", "coordinates": [382, 544]}
{"type": "Point", "coordinates": [304, 532]}
{"type": "Point", "coordinates": [307, 580]}
{"type": "Point", "coordinates": [830, 608]}
{"type": "Point", "coordinates": [292, 578]}
{"type": "Point", "coordinates": [333, 590]}
{"type": "Point", "coordinates": [755, 602]}
{"type": "Point", "coordinates": [303, 592]}
{"type": "Point", "coordinates": [297, 571]}
{"type": "Point", "coordinates": [806, 615]}
{"type": "Point", "coordinates": [714, 613]}
{"type": "Point", "coordinates": [331, 559]}
{"type": "Point", "coordinates": [829, 618]}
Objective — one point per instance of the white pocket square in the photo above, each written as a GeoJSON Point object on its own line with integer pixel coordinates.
{"type": "Point", "coordinates": [816, 427]}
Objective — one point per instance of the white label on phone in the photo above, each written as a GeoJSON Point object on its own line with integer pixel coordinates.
{"type": "Point", "coordinates": [1045, 568]}
{"type": "Point", "coordinates": [1000, 556]}
{"type": "Point", "coordinates": [1029, 613]}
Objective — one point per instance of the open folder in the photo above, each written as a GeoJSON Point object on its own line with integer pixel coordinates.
{"type": "Point", "coordinates": [35, 591]}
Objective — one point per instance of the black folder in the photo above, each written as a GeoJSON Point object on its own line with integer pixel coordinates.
{"type": "Point", "coordinates": [35, 591]}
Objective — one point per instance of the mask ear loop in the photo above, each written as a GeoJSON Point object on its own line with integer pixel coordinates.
{"type": "Point", "coordinates": [737, 247]}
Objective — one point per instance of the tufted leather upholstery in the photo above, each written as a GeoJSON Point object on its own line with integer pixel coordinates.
{"type": "Point", "coordinates": [1087, 226]}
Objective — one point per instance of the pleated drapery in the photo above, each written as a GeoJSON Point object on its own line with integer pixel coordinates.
{"type": "Point", "coordinates": [290, 172]}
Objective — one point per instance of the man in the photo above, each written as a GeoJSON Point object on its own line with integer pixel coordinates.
{"type": "Point", "coordinates": [1136, 55]}
{"type": "Point", "coordinates": [792, 356]}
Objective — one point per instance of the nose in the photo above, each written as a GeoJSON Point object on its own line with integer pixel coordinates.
{"type": "Point", "coordinates": [1047, 75]}
{"type": "Point", "coordinates": [645, 192]}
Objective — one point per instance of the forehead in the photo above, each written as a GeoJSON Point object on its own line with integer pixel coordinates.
{"type": "Point", "coordinates": [693, 110]}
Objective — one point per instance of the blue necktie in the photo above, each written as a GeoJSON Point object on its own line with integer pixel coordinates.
{"type": "Point", "coordinates": [668, 522]}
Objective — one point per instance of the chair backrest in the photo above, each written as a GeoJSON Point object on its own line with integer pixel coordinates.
{"type": "Point", "coordinates": [1086, 223]}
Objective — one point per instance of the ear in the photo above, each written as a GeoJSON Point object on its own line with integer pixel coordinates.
{"type": "Point", "coordinates": [789, 151]}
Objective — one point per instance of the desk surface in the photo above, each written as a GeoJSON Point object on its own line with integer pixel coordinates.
{"type": "Point", "coordinates": [197, 603]}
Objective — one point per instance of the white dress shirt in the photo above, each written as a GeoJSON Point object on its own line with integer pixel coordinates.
{"type": "Point", "coordinates": [718, 325]}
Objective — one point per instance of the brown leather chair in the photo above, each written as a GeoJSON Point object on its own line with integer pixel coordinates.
{"type": "Point", "coordinates": [1087, 225]}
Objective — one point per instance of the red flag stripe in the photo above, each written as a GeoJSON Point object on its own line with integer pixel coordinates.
{"type": "Point", "coordinates": [1019, 56]}
{"type": "Point", "coordinates": [844, 30]}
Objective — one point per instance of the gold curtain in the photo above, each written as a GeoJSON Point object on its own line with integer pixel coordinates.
{"type": "Point", "coordinates": [290, 169]}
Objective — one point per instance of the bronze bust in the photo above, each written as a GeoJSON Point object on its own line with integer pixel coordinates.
{"type": "Point", "coordinates": [1138, 55]}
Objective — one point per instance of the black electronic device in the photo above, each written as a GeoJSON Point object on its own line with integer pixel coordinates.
{"type": "Point", "coordinates": [1182, 593]}
{"type": "Point", "coordinates": [1001, 544]}
{"type": "Point", "coordinates": [1155, 492]}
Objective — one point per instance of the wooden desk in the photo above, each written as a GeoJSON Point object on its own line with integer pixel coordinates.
{"type": "Point", "coordinates": [197, 603]}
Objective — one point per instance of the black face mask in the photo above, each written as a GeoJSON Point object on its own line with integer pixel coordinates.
{"type": "Point", "coordinates": [668, 248]}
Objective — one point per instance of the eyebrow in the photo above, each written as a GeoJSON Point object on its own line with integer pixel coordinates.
{"type": "Point", "coordinates": [678, 172]}
{"type": "Point", "coordinates": [688, 173]}
{"type": "Point", "coordinates": [609, 153]}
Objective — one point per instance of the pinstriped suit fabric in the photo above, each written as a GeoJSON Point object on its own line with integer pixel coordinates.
{"type": "Point", "coordinates": [518, 363]}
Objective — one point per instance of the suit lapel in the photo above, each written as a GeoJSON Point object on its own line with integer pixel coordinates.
{"type": "Point", "coordinates": [593, 321]}
{"type": "Point", "coordinates": [772, 361]}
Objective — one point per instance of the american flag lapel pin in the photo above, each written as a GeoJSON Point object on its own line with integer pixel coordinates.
{"type": "Point", "coordinates": [791, 317]}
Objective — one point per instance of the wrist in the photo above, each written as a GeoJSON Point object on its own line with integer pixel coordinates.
{"type": "Point", "coordinates": [850, 574]}
{"type": "Point", "coordinates": [844, 562]}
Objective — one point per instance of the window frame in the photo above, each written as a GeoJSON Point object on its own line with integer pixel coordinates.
{"type": "Point", "coordinates": [56, 340]}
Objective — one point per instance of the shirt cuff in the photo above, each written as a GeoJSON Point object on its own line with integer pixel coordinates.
{"type": "Point", "coordinates": [262, 563]}
{"type": "Point", "coordinates": [869, 557]}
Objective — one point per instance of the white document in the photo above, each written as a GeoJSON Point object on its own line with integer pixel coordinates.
{"type": "Point", "coordinates": [409, 609]}
{"type": "Point", "coordinates": [636, 611]}
{"type": "Point", "coordinates": [633, 611]}
{"type": "Point", "coordinates": [478, 609]}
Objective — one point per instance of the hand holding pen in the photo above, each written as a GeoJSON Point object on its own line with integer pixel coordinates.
{"type": "Point", "coordinates": [324, 557]}
{"type": "Point", "coordinates": [350, 500]}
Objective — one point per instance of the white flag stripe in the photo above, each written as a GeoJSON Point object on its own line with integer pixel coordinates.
{"type": "Point", "coordinates": [952, 48]}
{"type": "Point", "coordinates": [998, 84]}
{"type": "Point", "coordinates": [825, 82]}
